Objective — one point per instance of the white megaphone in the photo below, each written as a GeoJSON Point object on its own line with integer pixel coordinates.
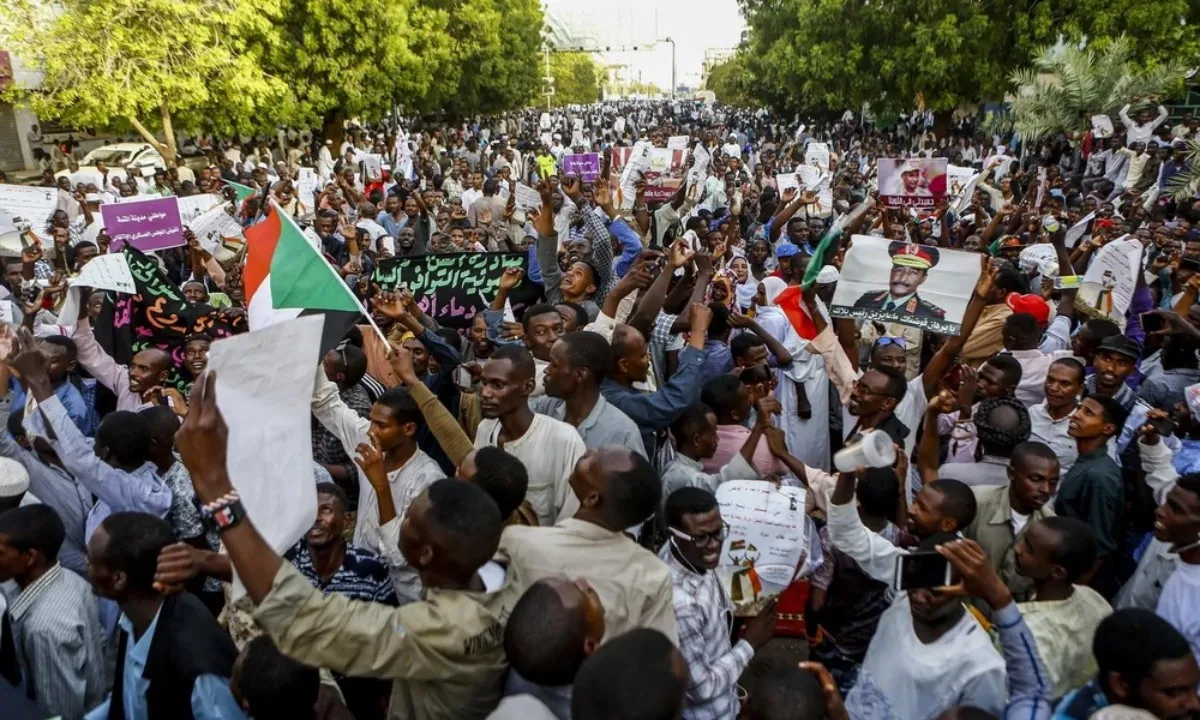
{"type": "Point", "coordinates": [874, 449]}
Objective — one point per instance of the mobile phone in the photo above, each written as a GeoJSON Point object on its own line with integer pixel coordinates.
{"type": "Point", "coordinates": [1190, 263]}
{"type": "Point", "coordinates": [922, 570]}
{"type": "Point", "coordinates": [1163, 426]}
{"type": "Point", "coordinates": [1153, 322]}
{"type": "Point", "coordinates": [462, 377]}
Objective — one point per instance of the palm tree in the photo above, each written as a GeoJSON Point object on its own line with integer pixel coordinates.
{"type": "Point", "coordinates": [1186, 184]}
{"type": "Point", "coordinates": [1068, 84]}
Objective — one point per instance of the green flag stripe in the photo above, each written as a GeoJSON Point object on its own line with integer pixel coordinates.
{"type": "Point", "coordinates": [301, 278]}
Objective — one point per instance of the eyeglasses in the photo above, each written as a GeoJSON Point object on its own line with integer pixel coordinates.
{"type": "Point", "coordinates": [703, 538]}
{"type": "Point", "coordinates": [889, 340]}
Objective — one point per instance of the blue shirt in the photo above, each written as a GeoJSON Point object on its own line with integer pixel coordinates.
{"type": "Point", "coordinates": [211, 698]}
{"type": "Point", "coordinates": [656, 411]}
{"type": "Point", "coordinates": [362, 576]}
{"type": "Point", "coordinates": [718, 360]}
{"type": "Point", "coordinates": [69, 396]}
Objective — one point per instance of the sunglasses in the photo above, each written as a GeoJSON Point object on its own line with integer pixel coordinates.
{"type": "Point", "coordinates": [889, 340]}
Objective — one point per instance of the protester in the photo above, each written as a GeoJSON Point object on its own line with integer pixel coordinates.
{"type": "Point", "coordinates": [642, 347]}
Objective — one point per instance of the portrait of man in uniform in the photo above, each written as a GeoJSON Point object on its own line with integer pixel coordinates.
{"type": "Point", "coordinates": [910, 268]}
{"type": "Point", "coordinates": [909, 185]}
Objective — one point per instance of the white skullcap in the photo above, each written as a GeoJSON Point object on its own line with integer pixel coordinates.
{"type": "Point", "coordinates": [14, 480]}
{"type": "Point", "coordinates": [828, 275]}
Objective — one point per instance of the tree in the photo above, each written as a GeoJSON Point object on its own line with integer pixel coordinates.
{"type": "Point", "coordinates": [837, 54]}
{"type": "Point", "coordinates": [355, 58]}
{"type": "Point", "coordinates": [731, 82]}
{"type": "Point", "coordinates": [577, 78]}
{"type": "Point", "coordinates": [147, 64]}
{"type": "Point", "coordinates": [1068, 84]}
{"type": "Point", "coordinates": [491, 63]}
{"type": "Point", "coordinates": [1185, 186]}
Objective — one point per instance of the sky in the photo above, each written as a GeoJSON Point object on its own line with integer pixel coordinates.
{"type": "Point", "coordinates": [695, 25]}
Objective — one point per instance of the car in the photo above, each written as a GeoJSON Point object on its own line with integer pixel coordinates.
{"type": "Point", "coordinates": [117, 157]}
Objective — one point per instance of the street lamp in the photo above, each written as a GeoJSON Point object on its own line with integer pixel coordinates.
{"type": "Point", "coordinates": [673, 83]}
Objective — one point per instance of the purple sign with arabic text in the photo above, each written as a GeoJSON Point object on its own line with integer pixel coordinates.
{"type": "Point", "coordinates": [586, 165]}
{"type": "Point", "coordinates": [147, 225]}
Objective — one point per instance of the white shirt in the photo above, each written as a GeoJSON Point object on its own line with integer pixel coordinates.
{"type": "Point", "coordinates": [919, 681]}
{"type": "Point", "coordinates": [1180, 603]}
{"type": "Point", "coordinates": [549, 449]}
{"type": "Point", "coordinates": [1053, 433]}
{"type": "Point", "coordinates": [469, 197]}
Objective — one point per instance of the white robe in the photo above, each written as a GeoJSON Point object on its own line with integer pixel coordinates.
{"type": "Point", "coordinates": [807, 440]}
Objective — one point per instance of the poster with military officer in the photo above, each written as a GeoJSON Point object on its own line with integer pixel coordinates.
{"type": "Point", "coordinates": [895, 281]}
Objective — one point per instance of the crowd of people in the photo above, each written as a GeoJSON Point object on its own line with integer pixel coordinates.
{"type": "Point", "coordinates": [518, 518]}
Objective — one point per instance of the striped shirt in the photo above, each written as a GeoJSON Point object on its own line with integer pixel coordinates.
{"type": "Point", "coordinates": [362, 575]}
{"type": "Point", "coordinates": [60, 643]}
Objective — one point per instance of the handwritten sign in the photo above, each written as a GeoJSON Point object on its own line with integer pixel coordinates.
{"type": "Point", "coordinates": [767, 541]}
{"type": "Point", "coordinates": [451, 287]}
{"type": "Point", "coordinates": [528, 198]}
{"type": "Point", "coordinates": [107, 272]}
{"type": "Point", "coordinates": [586, 165]}
{"type": "Point", "coordinates": [34, 205]}
{"type": "Point", "coordinates": [677, 142]}
{"type": "Point", "coordinates": [147, 225]}
{"type": "Point", "coordinates": [306, 188]}
{"type": "Point", "coordinates": [785, 181]}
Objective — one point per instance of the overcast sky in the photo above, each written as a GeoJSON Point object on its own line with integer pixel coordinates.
{"type": "Point", "coordinates": [694, 25]}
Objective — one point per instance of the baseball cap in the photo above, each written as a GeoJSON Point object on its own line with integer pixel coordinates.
{"type": "Point", "coordinates": [786, 249]}
{"type": "Point", "coordinates": [1122, 346]}
{"type": "Point", "coordinates": [1030, 305]}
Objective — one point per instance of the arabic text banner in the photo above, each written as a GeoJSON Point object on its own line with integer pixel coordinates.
{"type": "Point", "coordinates": [452, 287]}
{"type": "Point", "coordinates": [147, 225]}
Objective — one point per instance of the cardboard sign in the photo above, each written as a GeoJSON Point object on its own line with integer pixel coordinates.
{"type": "Point", "coordinates": [585, 165]}
{"type": "Point", "coordinates": [146, 225]}
{"type": "Point", "coordinates": [34, 205]}
{"type": "Point", "coordinates": [895, 281]}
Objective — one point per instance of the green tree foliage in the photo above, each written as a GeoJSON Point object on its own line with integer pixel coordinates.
{"type": "Point", "coordinates": [488, 53]}
{"type": "Point", "coordinates": [730, 82]}
{"type": "Point", "coordinates": [1068, 84]}
{"type": "Point", "coordinates": [147, 64]}
{"type": "Point", "coordinates": [249, 65]}
{"type": "Point", "coordinates": [837, 54]}
{"type": "Point", "coordinates": [344, 59]}
{"type": "Point", "coordinates": [578, 78]}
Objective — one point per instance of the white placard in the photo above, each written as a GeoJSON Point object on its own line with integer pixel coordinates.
{"type": "Point", "coordinates": [306, 188]}
{"type": "Point", "coordinates": [34, 205]}
{"type": "Point", "coordinates": [957, 179]}
{"type": "Point", "coordinates": [817, 154]}
{"type": "Point", "coordinates": [1036, 258]}
{"type": "Point", "coordinates": [107, 272]}
{"type": "Point", "coordinates": [264, 389]}
{"type": "Point", "coordinates": [214, 225]}
{"type": "Point", "coordinates": [1077, 230]}
{"type": "Point", "coordinates": [193, 206]}
{"type": "Point", "coordinates": [372, 165]}
{"type": "Point", "coordinates": [767, 541]}
{"type": "Point", "coordinates": [1102, 126]}
{"type": "Point", "coordinates": [677, 142]}
{"type": "Point", "coordinates": [1110, 280]}
{"type": "Point", "coordinates": [784, 181]}
{"type": "Point", "coordinates": [528, 198]}
{"type": "Point", "coordinates": [894, 281]}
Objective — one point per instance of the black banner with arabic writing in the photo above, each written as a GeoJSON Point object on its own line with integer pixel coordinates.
{"type": "Point", "coordinates": [452, 287]}
{"type": "Point", "coordinates": [158, 316]}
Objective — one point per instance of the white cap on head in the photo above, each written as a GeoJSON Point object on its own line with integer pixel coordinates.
{"type": "Point", "coordinates": [828, 275]}
{"type": "Point", "coordinates": [910, 165]}
{"type": "Point", "coordinates": [14, 480]}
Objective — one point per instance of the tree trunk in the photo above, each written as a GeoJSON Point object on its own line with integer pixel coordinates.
{"type": "Point", "coordinates": [333, 128]}
{"type": "Point", "coordinates": [167, 151]}
{"type": "Point", "coordinates": [169, 133]}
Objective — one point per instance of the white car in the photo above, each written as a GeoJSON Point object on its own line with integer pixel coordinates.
{"type": "Point", "coordinates": [116, 157]}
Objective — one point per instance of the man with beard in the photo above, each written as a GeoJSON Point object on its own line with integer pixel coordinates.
{"type": "Point", "coordinates": [548, 448]}
{"type": "Point", "coordinates": [147, 371]}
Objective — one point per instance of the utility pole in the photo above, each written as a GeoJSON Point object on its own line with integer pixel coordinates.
{"type": "Point", "coordinates": [548, 79]}
{"type": "Point", "coordinates": [674, 84]}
